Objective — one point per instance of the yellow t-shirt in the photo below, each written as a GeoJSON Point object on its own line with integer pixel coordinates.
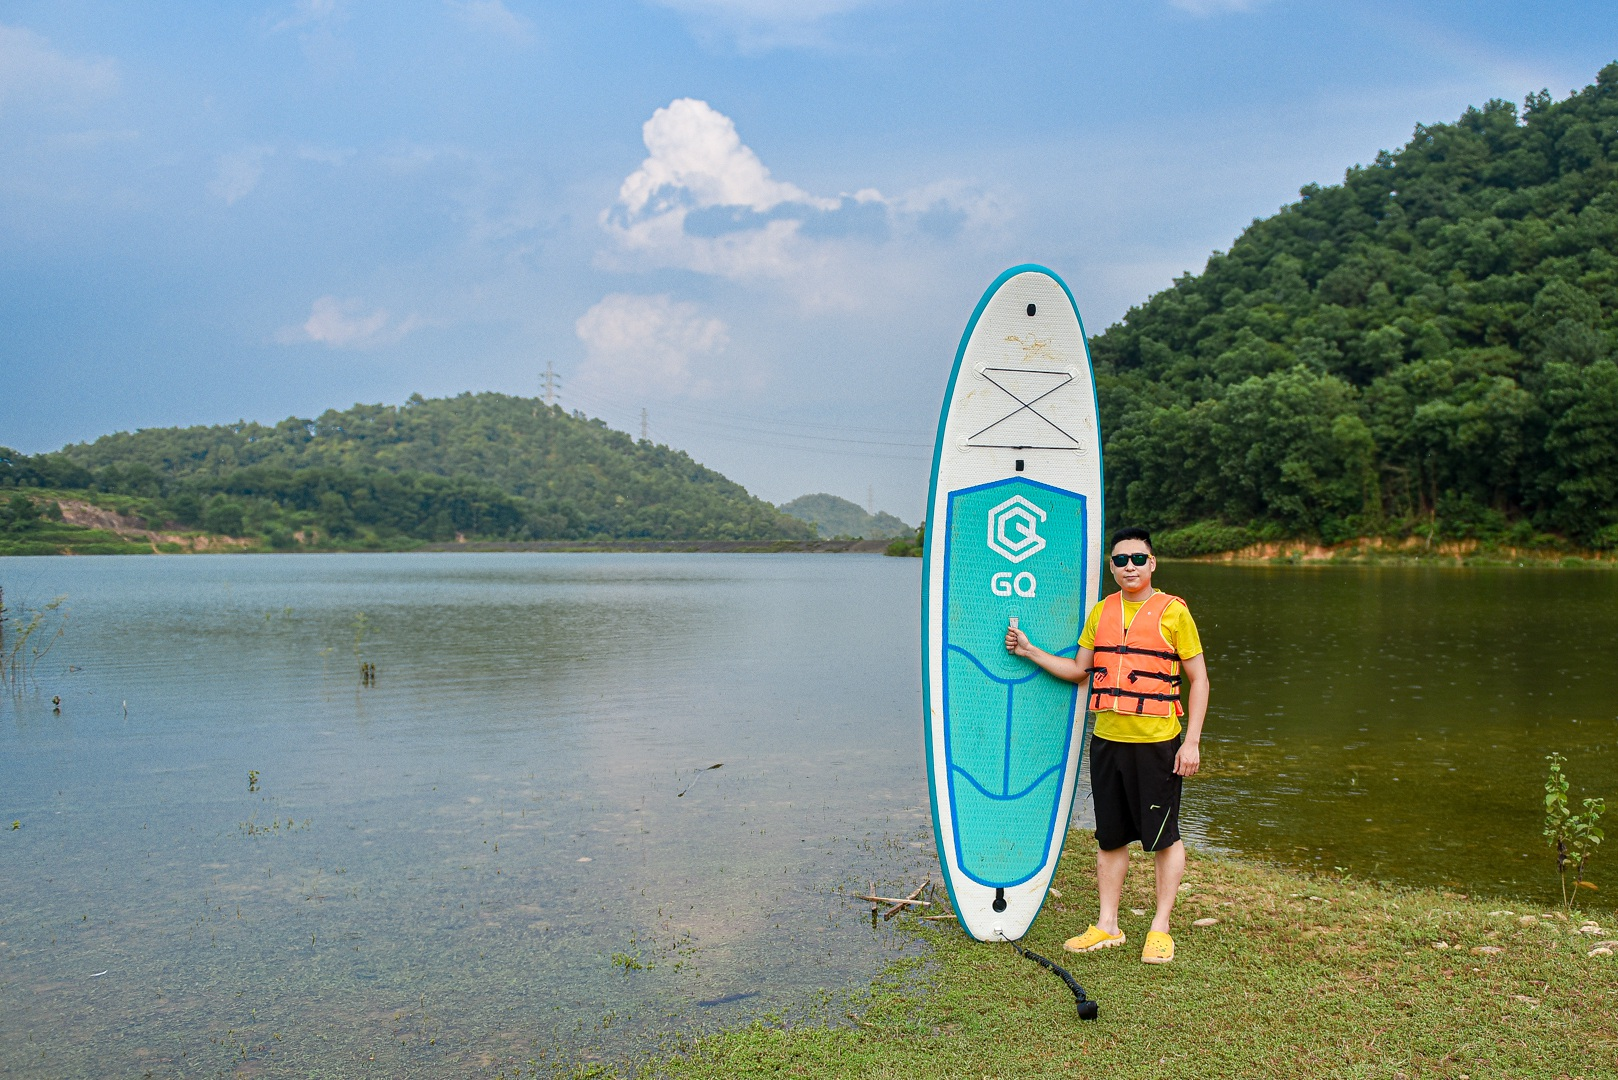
{"type": "Point", "coordinates": [1181, 634]}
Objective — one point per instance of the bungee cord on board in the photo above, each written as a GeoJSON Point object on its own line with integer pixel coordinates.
{"type": "Point", "coordinates": [1067, 377]}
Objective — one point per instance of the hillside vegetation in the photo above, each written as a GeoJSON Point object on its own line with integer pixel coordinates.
{"type": "Point", "coordinates": [478, 466]}
{"type": "Point", "coordinates": [1424, 349]}
{"type": "Point", "coordinates": [838, 517]}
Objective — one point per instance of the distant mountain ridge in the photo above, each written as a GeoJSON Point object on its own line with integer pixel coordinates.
{"type": "Point", "coordinates": [835, 517]}
{"type": "Point", "coordinates": [488, 466]}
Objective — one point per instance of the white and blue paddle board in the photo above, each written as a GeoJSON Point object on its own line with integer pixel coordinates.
{"type": "Point", "coordinates": [1014, 525]}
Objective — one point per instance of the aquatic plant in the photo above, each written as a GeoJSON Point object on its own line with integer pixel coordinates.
{"type": "Point", "coordinates": [362, 628]}
{"type": "Point", "coordinates": [26, 636]}
{"type": "Point", "coordinates": [1574, 836]}
{"type": "Point", "coordinates": [629, 961]}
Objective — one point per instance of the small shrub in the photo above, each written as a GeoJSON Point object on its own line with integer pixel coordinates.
{"type": "Point", "coordinates": [223, 516]}
{"type": "Point", "coordinates": [1201, 538]}
{"type": "Point", "coordinates": [1574, 836]}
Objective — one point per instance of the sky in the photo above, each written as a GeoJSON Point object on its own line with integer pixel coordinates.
{"type": "Point", "coordinates": [759, 224]}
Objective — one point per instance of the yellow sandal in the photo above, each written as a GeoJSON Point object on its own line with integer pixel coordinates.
{"type": "Point", "coordinates": [1159, 948]}
{"type": "Point", "coordinates": [1093, 939]}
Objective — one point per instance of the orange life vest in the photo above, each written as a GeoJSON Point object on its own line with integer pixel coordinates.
{"type": "Point", "coordinates": [1136, 670]}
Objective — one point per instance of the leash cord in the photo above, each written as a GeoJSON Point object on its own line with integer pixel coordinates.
{"type": "Point", "coordinates": [1087, 1008]}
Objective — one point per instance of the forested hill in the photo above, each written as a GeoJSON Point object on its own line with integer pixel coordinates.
{"type": "Point", "coordinates": [481, 465]}
{"type": "Point", "coordinates": [833, 516]}
{"type": "Point", "coordinates": [1425, 348]}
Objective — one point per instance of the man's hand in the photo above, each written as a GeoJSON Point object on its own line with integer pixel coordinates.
{"type": "Point", "coordinates": [1187, 760]}
{"type": "Point", "coordinates": [1017, 643]}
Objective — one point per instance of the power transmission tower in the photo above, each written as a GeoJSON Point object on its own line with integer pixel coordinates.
{"type": "Point", "coordinates": [549, 382]}
{"type": "Point", "coordinates": [870, 499]}
{"type": "Point", "coordinates": [643, 434]}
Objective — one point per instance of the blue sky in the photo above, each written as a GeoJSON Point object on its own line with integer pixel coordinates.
{"type": "Point", "coordinates": [763, 222]}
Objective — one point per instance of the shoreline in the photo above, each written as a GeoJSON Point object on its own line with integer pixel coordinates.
{"type": "Point", "coordinates": [674, 546]}
{"type": "Point", "coordinates": [1296, 555]}
{"type": "Point", "coordinates": [1299, 975]}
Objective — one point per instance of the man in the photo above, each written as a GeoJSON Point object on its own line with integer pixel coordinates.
{"type": "Point", "coordinates": [1137, 644]}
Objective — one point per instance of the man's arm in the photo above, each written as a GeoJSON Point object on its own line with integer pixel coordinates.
{"type": "Point", "coordinates": [1189, 757]}
{"type": "Point", "coordinates": [1076, 670]}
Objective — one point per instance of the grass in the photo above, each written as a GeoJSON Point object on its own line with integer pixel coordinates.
{"type": "Point", "coordinates": [1301, 977]}
{"type": "Point", "coordinates": [58, 538]}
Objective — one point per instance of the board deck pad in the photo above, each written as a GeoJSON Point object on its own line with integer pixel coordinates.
{"type": "Point", "coordinates": [1017, 487]}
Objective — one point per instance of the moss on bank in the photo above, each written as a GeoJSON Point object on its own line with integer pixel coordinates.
{"type": "Point", "coordinates": [1300, 977]}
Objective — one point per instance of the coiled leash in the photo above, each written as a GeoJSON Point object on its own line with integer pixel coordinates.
{"type": "Point", "coordinates": [1088, 1010]}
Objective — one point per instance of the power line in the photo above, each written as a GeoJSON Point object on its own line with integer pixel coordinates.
{"type": "Point", "coordinates": [735, 426]}
{"type": "Point", "coordinates": [693, 414]}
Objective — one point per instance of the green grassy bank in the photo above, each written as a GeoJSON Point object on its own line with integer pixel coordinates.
{"type": "Point", "coordinates": [1300, 977]}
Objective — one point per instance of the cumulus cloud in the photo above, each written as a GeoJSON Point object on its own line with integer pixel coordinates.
{"type": "Point", "coordinates": [649, 342]}
{"type": "Point", "coordinates": [704, 201]}
{"type": "Point", "coordinates": [32, 71]}
{"type": "Point", "coordinates": [239, 173]}
{"type": "Point", "coordinates": [697, 159]}
{"type": "Point", "coordinates": [697, 162]}
{"type": "Point", "coordinates": [343, 324]}
{"type": "Point", "coordinates": [494, 16]}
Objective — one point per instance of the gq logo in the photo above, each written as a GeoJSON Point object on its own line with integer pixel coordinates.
{"type": "Point", "coordinates": [1014, 535]}
{"type": "Point", "coordinates": [1003, 584]}
{"type": "Point", "coordinates": [1014, 529]}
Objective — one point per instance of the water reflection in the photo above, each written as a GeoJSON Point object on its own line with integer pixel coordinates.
{"type": "Point", "coordinates": [482, 860]}
{"type": "Point", "coordinates": [1394, 721]}
{"type": "Point", "coordinates": [485, 859]}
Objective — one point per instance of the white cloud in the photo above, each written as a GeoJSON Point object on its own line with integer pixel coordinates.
{"type": "Point", "coordinates": [703, 201]}
{"type": "Point", "coordinates": [697, 159]}
{"type": "Point", "coordinates": [494, 16]}
{"type": "Point", "coordinates": [31, 70]}
{"type": "Point", "coordinates": [649, 343]}
{"type": "Point", "coordinates": [1202, 9]}
{"type": "Point", "coordinates": [344, 324]}
{"type": "Point", "coordinates": [697, 162]}
{"type": "Point", "coordinates": [239, 173]}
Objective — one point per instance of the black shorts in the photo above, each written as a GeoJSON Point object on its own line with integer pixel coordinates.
{"type": "Point", "coordinates": [1137, 793]}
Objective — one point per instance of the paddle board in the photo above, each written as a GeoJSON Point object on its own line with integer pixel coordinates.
{"type": "Point", "coordinates": [1013, 532]}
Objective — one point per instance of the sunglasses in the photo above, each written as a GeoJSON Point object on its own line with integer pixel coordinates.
{"type": "Point", "coordinates": [1139, 558]}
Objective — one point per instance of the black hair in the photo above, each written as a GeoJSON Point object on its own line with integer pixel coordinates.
{"type": "Point", "coordinates": [1131, 534]}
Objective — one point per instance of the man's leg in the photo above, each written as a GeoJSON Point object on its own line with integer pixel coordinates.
{"type": "Point", "coordinates": [1170, 869]}
{"type": "Point", "coordinates": [1111, 866]}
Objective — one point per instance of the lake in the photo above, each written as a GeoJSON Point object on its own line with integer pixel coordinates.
{"type": "Point", "coordinates": [512, 848]}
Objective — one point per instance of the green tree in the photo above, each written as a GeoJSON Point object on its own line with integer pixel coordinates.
{"type": "Point", "coordinates": [1428, 344]}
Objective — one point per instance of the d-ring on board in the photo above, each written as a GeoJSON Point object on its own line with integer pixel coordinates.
{"type": "Point", "coordinates": [1067, 377]}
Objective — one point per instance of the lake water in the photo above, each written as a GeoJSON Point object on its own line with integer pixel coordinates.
{"type": "Point", "coordinates": [511, 848]}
